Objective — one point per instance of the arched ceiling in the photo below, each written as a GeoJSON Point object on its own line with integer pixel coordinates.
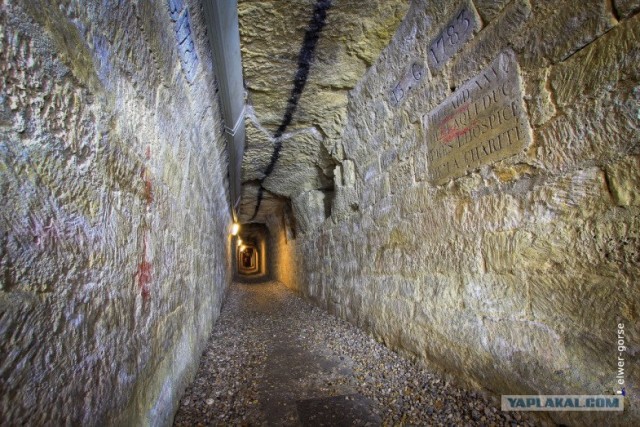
{"type": "Point", "coordinates": [300, 59]}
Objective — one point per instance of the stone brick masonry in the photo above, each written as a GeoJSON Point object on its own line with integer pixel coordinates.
{"type": "Point", "coordinates": [515, 275]}
{"type": "Point", "coordinates": [115, 209]}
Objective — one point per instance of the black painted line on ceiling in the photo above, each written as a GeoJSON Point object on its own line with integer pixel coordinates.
{"type": "Point", "coordinates": [305, 58]}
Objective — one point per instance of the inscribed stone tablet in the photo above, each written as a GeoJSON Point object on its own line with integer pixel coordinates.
{"type": "Point", "coordinates": [451, 38]}
{"type": "Point", "coordinates": [482, 122]}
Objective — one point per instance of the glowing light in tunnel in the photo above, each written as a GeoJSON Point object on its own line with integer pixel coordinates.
{"type": "Point", "coordinates": [239, 241]}
{"type": "Point", "coordinates": [235, 228]}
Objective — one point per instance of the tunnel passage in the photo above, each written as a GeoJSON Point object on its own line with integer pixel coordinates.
{"type": "Point", "coordinates": [251, 253]}
{"type": "Point", "coordinates": [458, 178]}
{"type": "Point", "coordinates": [248, 259]}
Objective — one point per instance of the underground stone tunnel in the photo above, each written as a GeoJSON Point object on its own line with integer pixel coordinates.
{"type": "Point", "coordinates": [437, 205]}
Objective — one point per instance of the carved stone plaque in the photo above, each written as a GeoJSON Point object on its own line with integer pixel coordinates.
{"type": "Point", "coordinates": [482, 122]}
{"type": "Point", "coordinates": [451, 38]}
{"type": "Point", "coordinates": [446, 44]}
{"type": "Point", "coordinates": [411, 77]}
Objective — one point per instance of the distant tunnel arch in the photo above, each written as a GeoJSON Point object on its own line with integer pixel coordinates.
{"type": "Point", "coordinates": [251, 252]}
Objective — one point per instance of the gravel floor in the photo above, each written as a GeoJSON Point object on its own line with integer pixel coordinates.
{"type": "Point", "coordinates": [273, 359]}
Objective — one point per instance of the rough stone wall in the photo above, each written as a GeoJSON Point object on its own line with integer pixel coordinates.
{"type": "Point", "coordinates": [282, 250]}
{"type": "Point", "coordinates": [509, 265]}
{"type": "Point", "coordinates": [114, 209]}
{"type": "Point", "coordinates": [296, 101]}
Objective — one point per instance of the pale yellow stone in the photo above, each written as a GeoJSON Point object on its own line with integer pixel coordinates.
{"type": "Point", "coordinates": [539, 97]}
{"type": "Point", "coordinates": [509, 173]}
{"type": "Point", "coordinates": [599, 66]}
{"type": "Point", "coordinates": [623, 178]}
{"type": "Point", "coordinates": [271, 38]}
{"type": "Point", "coordinates": [496, 254]}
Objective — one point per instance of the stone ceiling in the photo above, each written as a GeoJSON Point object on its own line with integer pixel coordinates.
{"type": "Point", "coordinates": [300, 59]}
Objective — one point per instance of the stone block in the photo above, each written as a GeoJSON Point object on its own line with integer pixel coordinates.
{"type": "Point", "coordinates": [387, 159]}
{"type": "Point", "coordinates": [371, 170]}
{"type": "Point", "coordinates": [401, 176]}
{"type": "Point", "coordinates": [490, 9]}
{"type": "Point", "coordinates": [626, 8]}
{"type": "Point", "coordinates": [584, 302]}
{"type": "Point", "coordinates": [452, 37]}
{"type": "Point", "coordinates": [482, 122]}
{"type": "Point", "coordinates": [599, 67]}
{"type": "Point", "coordinates": [497, 295]}
{"type": "Point", "coordinates": [421, 164]}
{"type": "Point", "coordinates": [492, 40]}
{"type": "Point", "coordinates": [348, 173]}
{"type": "Point", "coordinates": [560, 30]}
{"type": "Point", "coordinates": [615, 247]}
{"type": "Point", "coordinates": [539, 98]}
{"type": "Point", "coordinates": [582, 136]}
{"type": "Point", "coordinates": [581, 194]}
{"type": "Point", "coordinates": [337, 177]}
{"type": "Point", "coordinates": [410, 290]}
{"type": "Point", "coordinates": [309, 210]}
{"type": "Point", "coordinates": [441, 293]}
{"type": "Point", "coordinates": [503, 251]}
{"type": "Point", "coordinates": [623, 178]}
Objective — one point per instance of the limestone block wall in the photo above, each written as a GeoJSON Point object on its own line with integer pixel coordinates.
{"type": "Point", "coordinates": [488, 219]}
{"type": "Point", "coordinates": [282, 249]}
{"type": "Point", "coordinates": [114, 213]}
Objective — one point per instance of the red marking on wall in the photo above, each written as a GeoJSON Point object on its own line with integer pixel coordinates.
{"type": "Point", "coordinates": [453, 133]}
{"type": "Point", "coordinates": [450, 116]}
{"type": "Point", "coordinates": [148, 188]}
{"type": "Point", "coordinates": [144, 273]}
{"type": "Point", "coordinates": [449, 133]}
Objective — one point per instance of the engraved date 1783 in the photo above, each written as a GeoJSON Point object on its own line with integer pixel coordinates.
{"type": "Point", "coordinates": [451, 38]}
{"type": "Point", "coordinates": [446, 44]}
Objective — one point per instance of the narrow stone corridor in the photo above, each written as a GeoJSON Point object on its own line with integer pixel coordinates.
{"type": "Point", "coordinates": [274, 359]}
{"type": "Point", "coordinates": [308, 212]}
